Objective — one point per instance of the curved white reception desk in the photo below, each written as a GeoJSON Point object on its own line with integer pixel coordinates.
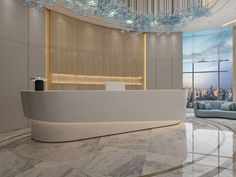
{"type": "Point", "coordinates": [71, 115]}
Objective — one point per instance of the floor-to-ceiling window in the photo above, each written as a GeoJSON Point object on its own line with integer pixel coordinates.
{"type": "Point", "coordinates": [207, 65]}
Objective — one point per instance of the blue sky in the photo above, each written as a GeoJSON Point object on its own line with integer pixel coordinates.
{"type": "Point", "coordinates": [211, 46]}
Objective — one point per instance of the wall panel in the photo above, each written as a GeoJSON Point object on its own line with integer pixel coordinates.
{"type": "Point", "coordinates": [13, 77]}
{"type": "Point", "coordinates": [234, 63]}
{"type": "Point", "coordinates": [166, 53]}
{"type": "Point", "coordinates": [22, 57]}
{"type": "Point", "coordinates": [84, 50]}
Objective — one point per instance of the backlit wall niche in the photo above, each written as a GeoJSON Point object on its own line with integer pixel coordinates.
{"type": "Point", "coordinates": [85, 56]}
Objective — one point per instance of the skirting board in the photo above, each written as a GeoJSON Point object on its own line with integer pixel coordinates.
{"type": "Point", "coordinates": [13, 136]}
{"type": "Point", "coordinates": [63, 132]}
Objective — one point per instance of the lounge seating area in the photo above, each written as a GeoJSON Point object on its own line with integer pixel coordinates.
{"type": "Point", "coordinates": [215, 109]}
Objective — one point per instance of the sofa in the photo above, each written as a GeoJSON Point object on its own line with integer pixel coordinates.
{"type": "Point", "coordinates": [215, 109]}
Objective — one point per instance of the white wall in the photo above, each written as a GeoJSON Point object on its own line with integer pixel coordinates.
{"type": "Point", "coordinates": [21, 57]}
{"type": "Point", "coordinates": [165, 61]}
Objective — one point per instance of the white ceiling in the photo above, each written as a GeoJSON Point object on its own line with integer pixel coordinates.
{"type": "Point", "coordinates": [224, 11]}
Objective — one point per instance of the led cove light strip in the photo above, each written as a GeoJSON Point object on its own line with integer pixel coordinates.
{"type": "Point", "coordinates": [95, 80]}
{"type": "Point", "coordinates": [229, 23]}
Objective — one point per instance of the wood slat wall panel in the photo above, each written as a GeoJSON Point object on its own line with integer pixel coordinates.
{"type": "Point", "coordinates": [80, 48]}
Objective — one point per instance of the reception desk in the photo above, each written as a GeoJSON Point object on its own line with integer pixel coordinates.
{"type": "Point", "coordinates": [58, 116]}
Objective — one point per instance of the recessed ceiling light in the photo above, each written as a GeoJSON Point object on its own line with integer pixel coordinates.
{"type": "Point", "coordinates": [229, 23]}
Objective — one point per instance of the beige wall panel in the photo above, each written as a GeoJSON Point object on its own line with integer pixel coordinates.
{"type": "Point", "coordinates": [36, 63]}
{"type": "Point", "coordinates": [80, 48]}
{"type": "Point", "coordinates": [36, 37]}
{"type": "Point", "coordinates": [167, 52]}
{"type": "Point", "coordinates": [151, 47]}
{"type": "Point", "coordinates": [234, 63]}
{"type": "Point", "coordinates": [22, 56]}
{"type": "Point", "coordinates": [151, 79]}
{"type": "Point", "coordinates": [176, 42]}
{"type": "Point", "coordinates": [36, 27]}
{"type": "Point", "coordinates": [177, 67]}
{"type": "Point", "coordinates": [163, 50]}
{"type": "Point", "coordinates": [14, 78]}
{"type": "Point", "coordinates": [163, 75]}
{"type": "Point", "coordinates": [14, 63]}
{"type": "Point", "coordinates": [13, 21]}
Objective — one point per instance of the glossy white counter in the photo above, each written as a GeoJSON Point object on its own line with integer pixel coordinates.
{"type": "Point", "coordinates": [69, 112]}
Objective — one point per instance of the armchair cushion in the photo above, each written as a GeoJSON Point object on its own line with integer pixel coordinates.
{"type": "Point", "coordinates": [201, 105]}
{"type": "Point", "coordinates": [228, 106]}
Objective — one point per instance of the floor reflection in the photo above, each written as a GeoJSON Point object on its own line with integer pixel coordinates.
{"type": "Point", "coordinates": [196, 148]}
{"type": "Point", "coordinates": [210, 149]}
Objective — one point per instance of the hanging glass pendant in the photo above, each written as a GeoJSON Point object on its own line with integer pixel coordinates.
{"type": "Point", "coordinates": [27, 2]}
{"type": "Point", "coordinates": [134, 15]}
{"type": "Point", "coordinates": [39, 4]}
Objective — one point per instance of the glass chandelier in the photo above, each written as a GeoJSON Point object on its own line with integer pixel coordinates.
{"type": "Point", "coordinates": [136, 15]}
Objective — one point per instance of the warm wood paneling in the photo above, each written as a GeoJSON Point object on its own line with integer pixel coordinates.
{"type": "Point", "coordinates": [47, 48]}
{"type": "Point", "coordinates": [85, 51]}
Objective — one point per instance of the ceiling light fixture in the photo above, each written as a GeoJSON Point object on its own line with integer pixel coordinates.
{"type": "Point", "coordinates": [136, 15]}
{"type": "Point", "coordinates": [229, 23]}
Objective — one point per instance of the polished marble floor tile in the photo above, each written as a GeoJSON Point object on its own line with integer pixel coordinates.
{"type": "Point", "coordinates": [117, 162]}
{"type": "Point", "coordinates": [137, 141]}
{"type": "Point", "coordinates": [196, 148]}
{"type": "Point", "coordinates": [10, 137]}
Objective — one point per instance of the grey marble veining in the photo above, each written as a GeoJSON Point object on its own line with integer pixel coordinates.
{"type": "Point", "coordinates": [137, 141]}
{"type": "Point", "coordinates": [174, 136]}
{"type": "Point", "coordinates": [196, 148]}
{"type": "Point", "coordinates": [158, 162]}
{"type": "Point", "coordinates": [11, 165]}
{"type": "Point", "coordinates": [10, 137]}
{"type": "Point", "coordinates": [117, 162]}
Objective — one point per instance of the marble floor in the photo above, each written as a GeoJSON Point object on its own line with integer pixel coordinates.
{"type": "Point", "coordinates": [196, 148]}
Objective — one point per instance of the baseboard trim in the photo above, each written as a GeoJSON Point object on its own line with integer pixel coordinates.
{"type": "Point", "coordinates": [11, 137]}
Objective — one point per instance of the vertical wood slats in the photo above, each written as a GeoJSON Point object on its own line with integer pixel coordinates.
{"type": "Point", "coordinates": [82, 49]}
{"type": "Point", "coordinates": [159, 6]}
{"type": "Point", "coordinates": [47, 49]}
